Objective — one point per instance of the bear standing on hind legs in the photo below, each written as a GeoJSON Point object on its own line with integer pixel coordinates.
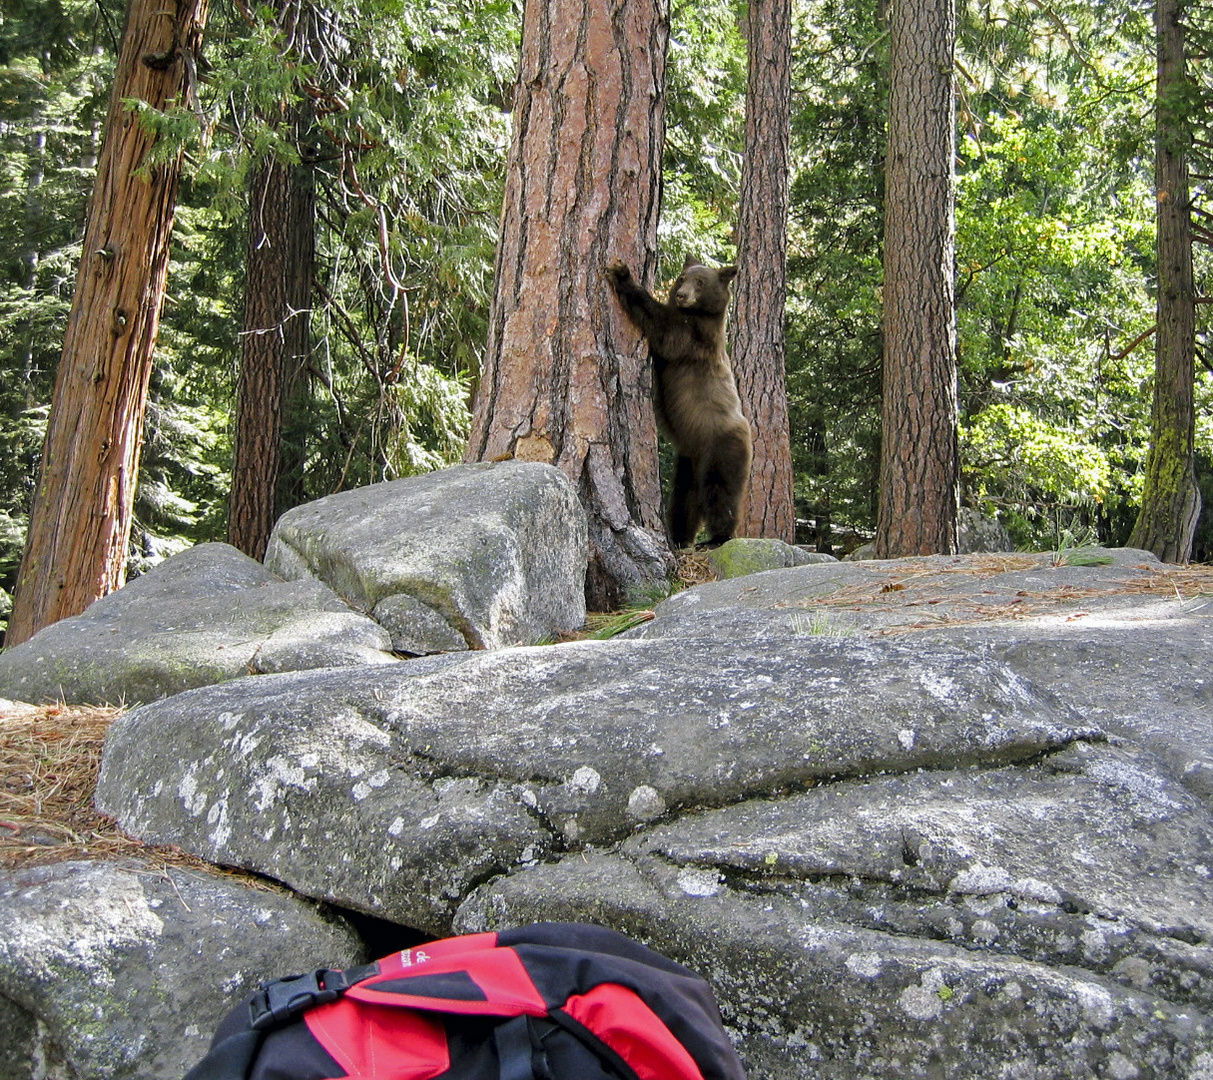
{"type": "Point", "coordinates": [694, 396]}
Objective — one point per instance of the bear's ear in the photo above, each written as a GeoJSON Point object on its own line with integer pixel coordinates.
{"type": "Point", "coordinates": [691, 261]}
{"type": "Point", "coordinates": [727, 273]}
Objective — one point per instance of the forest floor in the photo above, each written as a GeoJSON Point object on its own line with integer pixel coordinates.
{"type": "Point", "coordinates": [50, 756]}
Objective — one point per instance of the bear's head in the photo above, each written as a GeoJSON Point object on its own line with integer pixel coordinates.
{"type": "Point", "coordinates": [702, 288]}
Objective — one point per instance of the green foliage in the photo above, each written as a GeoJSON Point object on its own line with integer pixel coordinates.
{"type": "Point", "coordinates": [1053, 250]}
{"type": "Point", "coordinates": [1055, 246]}
{"type": "Point", "coordinates": [405, 136]}
{"type": "Point", "coordinates": [395, 106]}
{"type": "Point", "coordinates": [705, 131]}
{"type": "Point", "coordinates": [1079, 548]}
{"type": "Point", "coordinates": [1033, 471]}
{"type": "Point", "coordinates": [604, 627]}
{"type": "Point", "coordinates": [834, 342]}
{"type": "Point", "coordinates": [1054, 262]}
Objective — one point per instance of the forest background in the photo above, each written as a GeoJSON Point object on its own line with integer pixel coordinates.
{"type": "Point", "coordinates": [404, 148]}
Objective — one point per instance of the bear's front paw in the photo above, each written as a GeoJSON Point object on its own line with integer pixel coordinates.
{"type": "Point", "coordinates": [618, 272]}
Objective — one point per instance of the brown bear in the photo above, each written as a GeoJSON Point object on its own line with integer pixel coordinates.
{"type": "Point", "coordinates": [694, 396]}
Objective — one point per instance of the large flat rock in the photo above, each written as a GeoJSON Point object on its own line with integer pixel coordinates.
{"type": "Point", "coordinates": [924, 818]}
{"type": "Point", "coordinates": [1125, 643]}
{"type": "Point", "coordinates": [398, 791]}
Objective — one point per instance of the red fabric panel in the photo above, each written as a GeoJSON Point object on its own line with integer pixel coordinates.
{"type": "Point", "coordinates": [629, 1027]}
{"type": "Point", "coordinates": [403, 962]}
{"type": "Point", "coordinates": [387, 1044]}
{"type": "Point", "coordinates": [498, 972]}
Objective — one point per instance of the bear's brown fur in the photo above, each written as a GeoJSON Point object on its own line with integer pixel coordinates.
{"type": "Point", "coordinates": [694, 396]}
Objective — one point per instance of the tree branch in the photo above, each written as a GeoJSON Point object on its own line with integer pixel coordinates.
{"type": "Point", "coordinates": [1142, 337]}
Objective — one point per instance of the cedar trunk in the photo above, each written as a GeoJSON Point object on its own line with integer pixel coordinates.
{"type": "Point", "coordinates": [757, 346]}
{"type": "Point", "coordinates": [275, 344]}
{"type": "Point", "coordinates": [566, 378]}
{"type": "Point", "coordinates": [81, 518]}
{"type": "Point", "coordinates": [919, 471]}
{"type": "Point", "coordinates": [1170, 501]}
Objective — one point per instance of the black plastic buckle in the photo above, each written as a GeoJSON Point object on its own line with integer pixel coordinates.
{"type": "Point", "coordinates": [281, 1000]}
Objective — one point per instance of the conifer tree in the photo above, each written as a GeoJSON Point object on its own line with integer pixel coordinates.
{"type": "Point", "coordinates": [81, 519]}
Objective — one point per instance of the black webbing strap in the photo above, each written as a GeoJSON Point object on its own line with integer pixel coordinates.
{"type": "Point", "coordinates": [520, 1050]}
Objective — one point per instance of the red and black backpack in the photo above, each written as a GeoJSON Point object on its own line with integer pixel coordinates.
{"type": "Point", "coordinates": [554, 1001]}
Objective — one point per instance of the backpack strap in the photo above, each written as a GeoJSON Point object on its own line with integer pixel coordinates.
{"type": "Point", "coordinates": [522, 1053]}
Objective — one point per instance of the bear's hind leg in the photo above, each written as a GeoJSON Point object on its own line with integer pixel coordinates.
{"type": "Point", "coordinates": [721, 485]}
{"type": "Point", "coordinates": [685, 510]}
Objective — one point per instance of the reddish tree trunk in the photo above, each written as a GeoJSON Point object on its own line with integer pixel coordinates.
{"type": "Point", "coordinates": [757, 346]}
{"type": "Point", "coordinates": [81, 519]}
{"type": "Point", "coordinates": [919, 466]}
{"type": "Point", "coordinates": [566, 378]}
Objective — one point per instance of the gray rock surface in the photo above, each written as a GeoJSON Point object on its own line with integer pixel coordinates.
{"type": "Point", "coordinates": [925, 818]}
{"type": "Point", "coordinates": [1125, 642]}
{"type": "Point", "coordinates": [206, 615]}
{"type": "Point", "coordinates": [977, 533]}
{"type": "Point", "coordinates": [396, 792]}
{"type": "Point", "coordinates": [122, 970]}
{"type": "Point", "coordinates": [815, 982]}
{"type": "Point", "coordinates": [475, 556]}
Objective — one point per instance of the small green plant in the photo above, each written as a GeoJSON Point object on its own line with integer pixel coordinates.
{"type": "Point", "coordinates": [1080, 548]}
{"type": "Point", "coordinates": [817, 624]}
{"type": "Point", "coordinates": [649, 593]}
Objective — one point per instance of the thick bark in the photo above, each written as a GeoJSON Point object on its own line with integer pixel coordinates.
{"type": "Point", "coordinates": [566, 378]}
{"type": "Point", "coordinates": [919, 471]}
{"type": "Point", "coordinates": [276, 341]}
{"type": "Point", "coordinates": [1170, 501]}
{"type": "Point", "coordinates": [757, 346]}
{"type": "Point", "coordinates": [81, 518]}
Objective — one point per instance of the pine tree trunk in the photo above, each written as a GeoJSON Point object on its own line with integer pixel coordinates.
{"type": "Point", "coordinates": [757, 346]}
{"type": "Point", "coordinates": [919, 470]}
{"type": "Point", "coordinates": [566, 378]}
{"type": "Point", "coordinates": [276, 342]}
{"type": "Point", "coordinates": [1170, 501]}
{"type": "Point", "coordinates": [81, 519]}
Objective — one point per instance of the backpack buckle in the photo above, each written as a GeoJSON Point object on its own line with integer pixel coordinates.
{"type": "Point", "coordinates": [281, 1000]}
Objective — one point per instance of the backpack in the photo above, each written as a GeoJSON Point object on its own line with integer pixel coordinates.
{"type": "Point", "coordinates": [553, 1001]}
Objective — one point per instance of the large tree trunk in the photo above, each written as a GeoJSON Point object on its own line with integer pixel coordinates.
{"type": "Point", "coordinates": [1170, 501]}
{"type": "Point", "coordinates": [566, 378]}
{"type": "Point", "coordinates": [919, 471]}
{"type": "Point", "coordinates": [81, 518]}
{"type": "Point", "coordinates": [757, 346]}
{"type": "Point", "coordinates": [276, 342]}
